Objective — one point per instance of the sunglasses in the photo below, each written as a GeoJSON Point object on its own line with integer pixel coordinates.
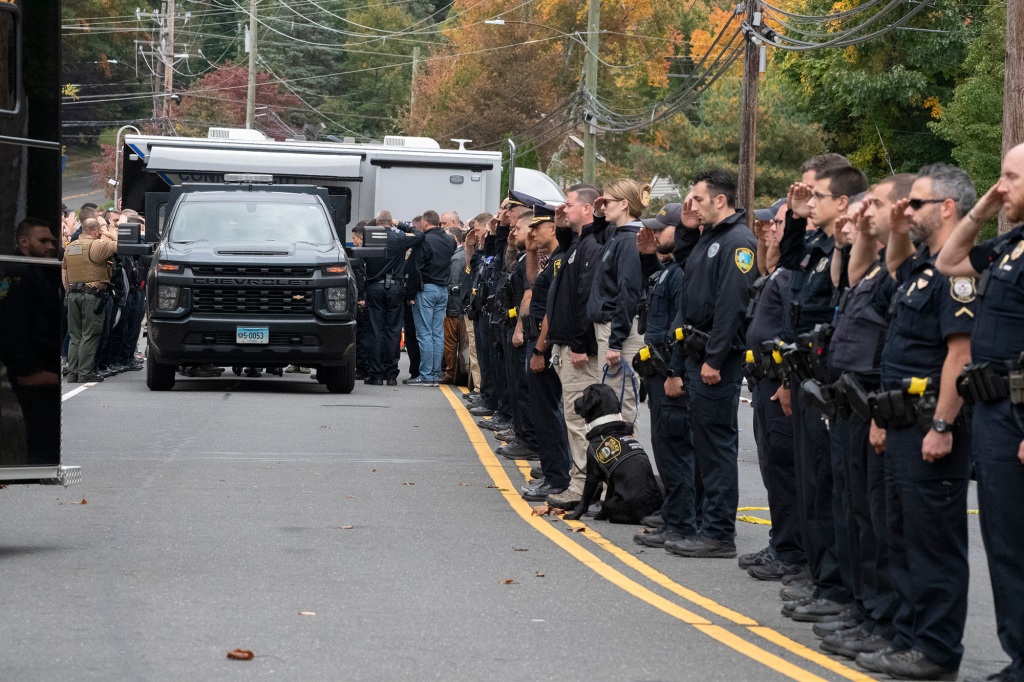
{"type": "Point", "coordinates": [918, 204]}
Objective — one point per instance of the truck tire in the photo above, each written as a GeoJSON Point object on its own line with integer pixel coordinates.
{"type": "Point", "coordinates": [339, 379]}
{"type": "Point", "coordinates": [159, 377]}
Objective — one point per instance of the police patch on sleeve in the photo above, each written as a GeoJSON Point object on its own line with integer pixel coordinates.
{"type": "Point", "coordinates": [5, 286]}
{"type": "Point", "coordinates": [713, 250]}
{"type": "Point", "coordinates": [962, 289]}
{"type": "Point", "coordinates": [744, 260]}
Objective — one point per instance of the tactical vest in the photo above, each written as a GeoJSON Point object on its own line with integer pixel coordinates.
{"type": "Point", "coordinates": [81, 268]}
{"type": "Point", "coordinates": [614, 450]}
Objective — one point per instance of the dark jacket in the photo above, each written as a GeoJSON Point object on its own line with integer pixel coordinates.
{"type": "Point", "coordinates": [458, 283]}
{"type": "Point", "coordinates": [30, 314]}
{"type": "Point", "coordinates": [568, 324]}
{"type": "Point", "coordinates": [615, 291]}
{"type": "Point", "coordinates": [808, 255]}
{"type": "Point", "coordinates": [716, 286]}
{"type": "Point", "coordinates": [434, 256]}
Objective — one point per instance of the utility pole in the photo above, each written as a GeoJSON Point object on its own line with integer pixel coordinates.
{"type": "Point", "coordinates": [748, 111]}
{"type": "Point", "coordinates": [415, 68]}
{"type": "Point", "coordinates": [1013, 86]}
{"type": "Point", "coordinates": [168, 65]}
{"type": "Point", "coordinates": [590, 80]}
{"type": "Point", "coordinates": [250, 100]}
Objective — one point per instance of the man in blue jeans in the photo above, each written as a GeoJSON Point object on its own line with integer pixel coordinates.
{"type": "Point", "coordinates": [433, 260]}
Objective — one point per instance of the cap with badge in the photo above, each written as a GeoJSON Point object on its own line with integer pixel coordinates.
{"type": "Point", "coordinates": [669, 216]}
{"type": "Point", "coordinates": [522, 199]}
{"type": "Point", "coordinates": [542, 214]}
{"type": "Point", "coordinates": [769, 213]}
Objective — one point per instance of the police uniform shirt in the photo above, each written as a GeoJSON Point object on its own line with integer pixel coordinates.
{"type": "Point", "coordinates": [663, 304]}
{"type": "Point", "coordinates": [541, 285]}
{"type": "Point", "coordinates": [928, 307]}
{"type": "Point", "coordinates": [811, 283]}
{"type": "Point", "coordinates": [1000, 309]}
{"type": "Point", "coordinates": [862, 323]}
{"type": "Point", "coordinates": [772, 302]}
{"type": "Point", "coordinates": [716, 288]}
{"type": "Point", "coordinates": [518, 284]}
{"type": "Point", "coordinates": [396, 250]}
{"type": "Point", "coordinates": [618, 280]}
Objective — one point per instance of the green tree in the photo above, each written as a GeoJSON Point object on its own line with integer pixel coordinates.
{"type": "Point", "coordinates": [973, 121]}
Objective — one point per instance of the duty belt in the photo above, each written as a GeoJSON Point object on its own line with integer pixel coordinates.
{"type": "Point", "coordinates": [912, 404]}
{"type": "Point", "coordinates": [652, 360]}
{"type": "Point", "coordinates": [694, 342]}
{"type": "Point", "coordinates": [980, 383]}
{"type": "Point", "coordinates": [82, 287]}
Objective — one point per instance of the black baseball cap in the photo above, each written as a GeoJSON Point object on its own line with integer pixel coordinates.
{"type": "Point", "coordinates": [769, 213]}
{"type": "Point", "coordinates": [668, 216]}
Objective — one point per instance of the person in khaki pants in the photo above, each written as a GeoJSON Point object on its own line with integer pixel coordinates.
{"type": "Point", "coordinates": [86, 278]}
{"type": "Point", "coordinates": [570, 332]}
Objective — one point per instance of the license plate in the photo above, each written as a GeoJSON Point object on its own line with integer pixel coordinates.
{"type": "Point", "coordinates": [252, 335]}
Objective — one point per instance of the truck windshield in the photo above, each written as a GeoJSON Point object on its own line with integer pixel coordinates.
{"type": "Point", "coordinates": [250, 221]}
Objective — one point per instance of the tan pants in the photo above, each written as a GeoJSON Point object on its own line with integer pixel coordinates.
{"type": "Point", "coordinates": [574, 381]}
{"type": "Point", "coordinates": [451, 344]}
{"type": "Point", "coordinates": [474, 366]}
{"type": "Point", "coordinates": [634, 342]}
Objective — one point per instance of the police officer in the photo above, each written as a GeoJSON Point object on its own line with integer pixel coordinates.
{"type": "Point", "coordinates": [570, 333]}
{"type": "Point", "coordinates": [998, 434]}
{"type": "Point", "coordinates": [716, 290]}
{"type": "Point", "coordinates": [364, 335]}
{"type": "Point", "coordinates": [773, 421]}
{"type": "Point", "coordinates": [30, 308]}
{"type": "Point", "coordinates": [670, 420]}
{"type": "Point", "coordinates": [385, 300]}
{"type": "Point", "coordinates": [854, 360]}
{"type": "Point", "coordinates": [524, 442]}
{"type": "Point", "coordinates": [808, 255]}
{"type": "Point", "coordinates": [545, 388]}
{"type": "Point", "coordinates": [88, 278]}
{"type": "Point", "coordinates": [928, 339]}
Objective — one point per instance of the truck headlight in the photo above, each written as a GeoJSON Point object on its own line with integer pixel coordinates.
{"type": "Point", "coordinates": [337, 299]}
{"type": "Point", "coordinates": [167, 297]}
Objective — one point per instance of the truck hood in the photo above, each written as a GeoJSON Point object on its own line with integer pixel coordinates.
{"type": "Point", "coordinates": [249, 253]}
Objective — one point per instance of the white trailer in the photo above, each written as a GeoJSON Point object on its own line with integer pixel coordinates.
{"type": "Point", "coordinates": [405, 175]}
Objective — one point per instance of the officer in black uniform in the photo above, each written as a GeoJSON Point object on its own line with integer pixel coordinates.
{"type": "Point", "coordinates": [364, 334]}
{"type": "Point", "coordinates": [716, 291]}
{"type": "Point", "coordinates": [773, 422]}
{"type": "Point", "coordinates": [928, 339]}
{"type": "Point", "coordinates": [30, 312]}
{"type": "Point", "coordinates": [385, 301]}
{"type": "Point", "coordinates": [478, 262]}
{"type": "Point", "coordinates": [809, 257]}
{"type": "Point", "coordinates": [545, 387]}
{"type": "Point", "coordinates": [998, 413]}
{"type": "Point", "coordinates": [671, 439]}
{"type": "Point", "coordinates": [854, 359]}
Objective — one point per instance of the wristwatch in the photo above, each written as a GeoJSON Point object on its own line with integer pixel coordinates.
{"type": "Point", "coordinates": [538, 351]}
{"type": "Point", "coordinates": [940, 426]}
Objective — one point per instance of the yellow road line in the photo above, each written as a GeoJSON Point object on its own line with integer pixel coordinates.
{"type": "Point", "coordinates": [617, 578]}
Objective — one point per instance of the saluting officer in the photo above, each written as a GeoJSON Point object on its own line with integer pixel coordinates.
{"type": "Point", "coordinates": [670, 420]}
{"type": "Point", "coordinates": [928, 338]}
{"type": "Point", "coordinates": [385, 300]}
{"type": "Point", "coordinates": [88, 277]}
{"type": "Point", "coordinates": [716, 290]}
{"type": "Point", "coordinates": [998, 434]}
{"type": "Point", "coordinates": [855, 353]}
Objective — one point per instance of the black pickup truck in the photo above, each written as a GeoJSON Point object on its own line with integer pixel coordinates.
{"type": "Point", "coordinates": [249, 274]}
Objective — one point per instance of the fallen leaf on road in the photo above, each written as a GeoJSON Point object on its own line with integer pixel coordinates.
{"type": "Point", "coordinates": [307, 613]}
{"type": "Point", "coordinates": [325, 426]}
{"type": "Point", "coordinates": [408, 483]}
{"type": "Point", "coordinates": [547, 510]}
{"type": "Point", "coordinates": [347, 527]}
{"type": "Point", "coordinates": [577, 530]}
{"type": "Point", "coordinates": [639, 551]}
{"type": "Point", "coordinates": [83, 501]}
{"type": "Point", "coordinates": [350, 497]}
{"type": "Point", "coordinates": [492, 486]}
{"type": "Point", "coordinates": [520, 549]}
{"type": "Point", "coordinates": [240, 655]}
{"type": "Point", "coordinates": [509, 581]}
{"type": "Point", "coordinates": [539, 574]}
{"type": "Point", "coordinates": [373, 470]}
{"type": "Point", "coordinates": [463, 484]}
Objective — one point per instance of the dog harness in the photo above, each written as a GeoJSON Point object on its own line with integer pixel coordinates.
{"type": "Point", "coordinates": [612, 451]}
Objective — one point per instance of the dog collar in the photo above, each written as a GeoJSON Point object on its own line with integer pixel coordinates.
{"type": "Point", "coordinates": [608, 418]}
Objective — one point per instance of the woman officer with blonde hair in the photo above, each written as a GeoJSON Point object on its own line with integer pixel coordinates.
{"type": "Point", "coordinates": [617, 284]}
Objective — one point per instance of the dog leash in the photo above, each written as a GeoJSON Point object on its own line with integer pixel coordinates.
{"type": "Point", "coordinates": [627, 371]}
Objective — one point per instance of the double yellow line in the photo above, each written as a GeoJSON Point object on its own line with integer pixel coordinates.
{"type": "Point", "coordinates": [719, 633]}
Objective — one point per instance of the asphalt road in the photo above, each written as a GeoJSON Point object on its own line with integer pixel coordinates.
{"type": "Point", "coordinates": [215, 516]}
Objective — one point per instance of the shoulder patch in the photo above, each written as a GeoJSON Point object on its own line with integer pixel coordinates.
{"type": "Point", "coordinates": [822, 264]}
{"type": "Point", "coordinates": [5, 287]}
{"type": "Point", "coordinates": [1017, 250]}
{"type": "Point", "coordinates": [467, 269]}
{"type": "Point", "coordinates": [713, 250]}
{"type": "Point", "coordinates": [874, 271]}
{"type": "Point", "coordinates": [963, 289]}
{"type": "Point", "coordinates": [744, 260]}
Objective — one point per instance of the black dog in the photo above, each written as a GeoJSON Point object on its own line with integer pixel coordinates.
{"type": "Point", "coordinates": [616, 459]}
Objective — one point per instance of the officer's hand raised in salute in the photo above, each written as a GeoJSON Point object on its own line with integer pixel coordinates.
{"type": "Point", "coordinates": [799, 199]}
{"type": "Point", "coordinates": [688, 217]}
{"type": "Point", "coordinates": [646, 241]}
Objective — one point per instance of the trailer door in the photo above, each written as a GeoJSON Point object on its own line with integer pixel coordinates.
{"type": "Point", "coordinates": [409, 190]}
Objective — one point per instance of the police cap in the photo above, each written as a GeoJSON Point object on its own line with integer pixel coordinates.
{"type": "Point", "coordinates": [769, 213]}
{"type": "Point", "coordinates": [668, 216]}
{"type": "Point", "coordinates": [542, 214]}
{"type": "Point", "coordinates": [522, 199]}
